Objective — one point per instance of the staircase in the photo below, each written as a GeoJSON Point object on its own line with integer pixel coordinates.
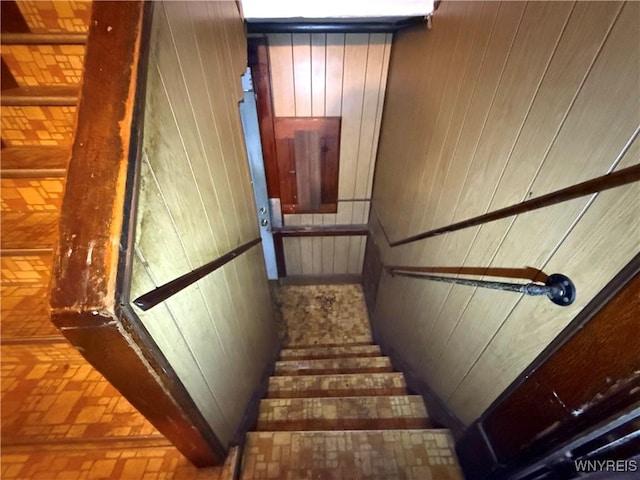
{"type": "Point", "coordinates": [60, 418]}
{"type": "Point", "coordinates": [334, 407]}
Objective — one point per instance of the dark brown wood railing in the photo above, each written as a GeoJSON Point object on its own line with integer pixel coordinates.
{"type": "Point", "coordinates": [161, 293]}
{"type": "Point", "coordinates": [599, 184]}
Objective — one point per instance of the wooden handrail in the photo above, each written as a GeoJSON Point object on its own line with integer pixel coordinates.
{"type": "Point", "coordinates": [595, 185]}
{"type": "Point", "coordinates": [161, 293]}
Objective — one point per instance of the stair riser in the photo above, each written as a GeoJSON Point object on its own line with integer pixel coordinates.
{"type": "Point", "coordinates": [343, 424]}
{"type": "Point", "coordinates": [327, 393]}
{"type": "Point", "coordinates": [333, 371]}
{"type": "Point", "coordinates": [330, 356]}
{"type": "Point", "coordinates": [330, 352]}
{"type": "Point", "coordinates": [373, 384]}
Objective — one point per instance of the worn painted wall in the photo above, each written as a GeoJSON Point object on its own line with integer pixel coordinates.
{"type": "Point", "coordinates": [334, 75]}
{"type": "Point", "coordinates": [498, 103]}
{"type": "Point", "coordinates": [195, 205]}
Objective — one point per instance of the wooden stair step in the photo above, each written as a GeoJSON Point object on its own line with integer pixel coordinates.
{"type": "Point", "coordinates": [345, 385]}
{"type": "Point", "coordinates": [330, 352]}
{"type": "Point", "coordinates": [343, 413]}
{"type": "Point", "coordinates": [58, 95]}
{"type": "Point", "coordinates": [34, 161]}
{"type": "Point", "coordinates": [372, 454]}
{"type": "Point", "coordinates": [29, 38]}
{"type": "Point", "coordinates": [327, 345]}
{"type": "Point", "coordinates": [333, 366]}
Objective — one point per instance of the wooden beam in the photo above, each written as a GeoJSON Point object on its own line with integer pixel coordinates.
{"type": "Point", "coordinates": [85, 294]}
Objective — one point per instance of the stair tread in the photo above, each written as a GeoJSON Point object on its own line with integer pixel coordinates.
{"type": "Point", "coordinates": [343, 413]}
{"type": "Point", "coordinates": [371, 454]}
{"type": "Point", "coordinates": [333, 365]}
{"type": "Point", "coordinates": [41, 95]}
{"type": "Point", "coordinates": [331, 352]}
{"type": "Point", "coordinates": [32, 161]}
{"type": "Point", "coordinates": [350, 384]}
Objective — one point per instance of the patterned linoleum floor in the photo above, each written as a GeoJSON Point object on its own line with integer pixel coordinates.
{"type": "Point", "coordinates": [323, 314]}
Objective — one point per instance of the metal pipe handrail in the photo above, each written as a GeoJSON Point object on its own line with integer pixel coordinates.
{"type": "Point", "coordinates": [558, 287]}
{"type": "Point", "coordinates": [595, 185]}
{"type": "Point", "coordinates": [161, 293]}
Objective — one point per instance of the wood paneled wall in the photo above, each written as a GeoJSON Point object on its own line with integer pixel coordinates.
{"type": "Point", "coordinates": [336, 75]}
{"type": "Point", "coordinates": [498, 103]}
{"type": "Point", "coordinates": [196, 204]}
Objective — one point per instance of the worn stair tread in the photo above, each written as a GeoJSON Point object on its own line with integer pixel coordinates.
{"type": "Point", "coordinates": [330, 352]}
{"type": "Point", "coordinates": [333, 366]}
{"type": "Point", "coordinates": [344, 413]}
{"type": "Point", "coordinates": [36, 161]}
{"type": "Point", "coordinates": [340, 385]}
{"type": "Point", "coordinates": [30, 38]}
{"type": "Point", "coordinates": [370, 454]}
{"type": "Point", "coordinates": [62, 95]}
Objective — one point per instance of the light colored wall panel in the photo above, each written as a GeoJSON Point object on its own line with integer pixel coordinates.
{"type": "Point", "coordinates": [333, 75]}
{"type": "Point", "coordinates": [196, 204]}
{"type": "Point", "coordinates": [535, 97]}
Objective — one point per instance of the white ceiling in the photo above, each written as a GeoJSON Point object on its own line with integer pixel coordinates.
{"type": "Point", "coordinates": [271, 9]}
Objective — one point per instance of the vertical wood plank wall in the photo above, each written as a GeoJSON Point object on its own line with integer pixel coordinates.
{"type": "Point", "coordinates": [196, 204]}
{"type": "Point", "coordinates": [498, 103]}
{"type": "Point", "coordinates": [341, 75]}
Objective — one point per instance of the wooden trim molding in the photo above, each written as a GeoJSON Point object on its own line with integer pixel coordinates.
{"type": "Point", "coordinates": [583, 378]}
{"type": "Point", "coordinates": [87, 273]}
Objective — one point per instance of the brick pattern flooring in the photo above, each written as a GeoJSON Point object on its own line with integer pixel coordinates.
{"type": "Point", "coordinates": [342, 413]}
{"type": "Point", "coordinates": [135, 462]}
{"type": "Point", "coordinates": [330, 352]}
